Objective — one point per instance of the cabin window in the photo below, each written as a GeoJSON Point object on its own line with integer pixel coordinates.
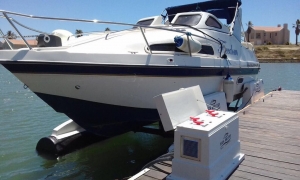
{"type": "Point", "coordinates": [206, 50]}
{"type": "Point", "coordinates": [257, 35]}
{"type": "Point", "coordinates": [190, 20]}
{"type": "Point", "coordinates": [165, 47]}
{"type": "Point", "coordinates": [145, 22]}
{"type": "Point", "coordinates": [212, 22]}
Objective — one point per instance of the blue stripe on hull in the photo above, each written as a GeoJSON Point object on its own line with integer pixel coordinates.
{"type": "Point", "coordinates": [101, 119]}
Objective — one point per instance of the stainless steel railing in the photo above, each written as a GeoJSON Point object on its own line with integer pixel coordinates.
{"type": "Point", "coordinates": [5, 39]}
{"type": "Point", "coordinates": [12, 21]}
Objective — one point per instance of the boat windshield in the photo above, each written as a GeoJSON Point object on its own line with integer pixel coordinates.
{"type": "Point", "coordinates": [145, 22]}
{"type": "Point", "coordinates": [190, 20]}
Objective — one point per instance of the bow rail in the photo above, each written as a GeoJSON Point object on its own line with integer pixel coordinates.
{"type": "Point", "coordinates": [12, 21]}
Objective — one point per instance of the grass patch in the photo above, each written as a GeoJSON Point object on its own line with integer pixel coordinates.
{"type": "Point", "coordinates": [278, 53]}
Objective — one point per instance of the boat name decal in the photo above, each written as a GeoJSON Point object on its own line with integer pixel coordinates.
{"type": "Point", "coordinates": [231, 51]}
{"type": "Point", "coordinates": [257, 87]}
{"type": "Point", "coordinates": [252, 64]}
{"type": "Point", "coordinates": [214, 105]}
{"type": "Point", "coordinates": [225, 141]}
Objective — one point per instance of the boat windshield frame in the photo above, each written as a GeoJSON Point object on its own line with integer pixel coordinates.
{"type": "Point", "coordinates": [222, 9]}
{"type": "Point", "coordinates": [188, 19]}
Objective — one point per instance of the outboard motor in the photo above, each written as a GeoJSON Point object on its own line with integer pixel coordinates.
{"type": "Point", "coordinates": [229, 88]}
{"type": "Point", "coordinates": [45, 40]}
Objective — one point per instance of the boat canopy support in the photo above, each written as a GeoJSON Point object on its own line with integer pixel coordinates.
{"type": "Point", "coordinates": [223, 9]}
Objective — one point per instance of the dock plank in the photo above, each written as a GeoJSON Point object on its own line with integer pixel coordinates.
{"type": "Point", "coordinates": [270, 162]}
{"type": "Point", "coordinates": [275, 169]}
{"type": "Point", "coordinates": [156, 174]}
{"type": "Point", "coordinates": [269, 135]}
{"type": "Point", "coordinates": [250, 176]}
{"type": "Point", "coordinates": [146, 178]}
{"type": "Point", "coordinates": [266, 173]}
{"type": "Point", "coordinates": [284, 149]}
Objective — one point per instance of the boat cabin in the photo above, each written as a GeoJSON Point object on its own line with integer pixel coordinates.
{"type": "Point", "coordinates": [199, 20]}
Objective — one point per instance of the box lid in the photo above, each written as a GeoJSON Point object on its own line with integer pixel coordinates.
{"type": "Point", "coordinates": [178, 106]}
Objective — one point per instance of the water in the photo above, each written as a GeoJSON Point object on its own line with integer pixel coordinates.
{"type": "Point", "coordinates": [285, 75]}
{"type": "Point", "coordinates": [24, 119]}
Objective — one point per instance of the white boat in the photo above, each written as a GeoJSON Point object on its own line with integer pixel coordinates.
{"type": "Point", "coordinates": [106, 81]}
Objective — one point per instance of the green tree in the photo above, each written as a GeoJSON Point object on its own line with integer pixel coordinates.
{"type": "Point", "coordinates": [297, 30]}
{"type": "Point", "coordinates": [11, 35]}
{"type": "Point", "coordinates": [250, 25]}
{"type": "Point", "coordinates": [78, 33]}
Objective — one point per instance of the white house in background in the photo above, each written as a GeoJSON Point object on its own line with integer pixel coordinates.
{"type": "Point", "coordinates": [275, 35]}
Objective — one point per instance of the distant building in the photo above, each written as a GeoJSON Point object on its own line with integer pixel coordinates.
{"type": "Point", "coordinates": [17, 44]}
{"type": "Point", "coordinates": [275, 35]}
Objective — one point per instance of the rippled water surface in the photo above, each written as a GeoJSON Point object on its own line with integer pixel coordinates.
{"type": "Point", "coordinates": [286, 75]}
{"type": "Point", "coordinates": [24, 119]}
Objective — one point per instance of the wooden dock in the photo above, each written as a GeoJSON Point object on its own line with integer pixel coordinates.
{"type": "Point", "coordinates": [270, 139]}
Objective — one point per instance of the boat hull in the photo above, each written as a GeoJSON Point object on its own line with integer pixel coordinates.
{"type": "Point", "coordinates": [101, 119]}
{"type": "Point", "coordinates": [110, 100]}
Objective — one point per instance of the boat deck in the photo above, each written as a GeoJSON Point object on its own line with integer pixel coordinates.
{"type": "Point", "coordinates": [269, 135]}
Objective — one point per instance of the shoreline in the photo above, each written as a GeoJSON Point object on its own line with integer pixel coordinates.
{"type": "Point", "coordinates": [271, 60]}
{"type": "Point", "coordinates": [277, 53]}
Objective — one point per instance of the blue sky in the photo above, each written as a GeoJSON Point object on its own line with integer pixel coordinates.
{"type": "Point", "coordinates": [260, 12]}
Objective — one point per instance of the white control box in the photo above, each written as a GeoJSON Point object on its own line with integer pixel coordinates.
{"type": "Point", "coordinates": [177, 106]}
{"type": "Point", "coordinates": [206, 142]}
{"type": "Point", "coordinates": [207, 150]}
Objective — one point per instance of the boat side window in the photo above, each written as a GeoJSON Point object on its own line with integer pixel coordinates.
{"type": "Point", "coordinates": [190, 20]}
{"type": "Point", "coordinates": [145, 22]}
{"type": "Point", "coordinates": [165, 47]}
{"type": "Point", "coordinates": [212, 22]}
{"type": "Point", "coordinates": [206, 50]}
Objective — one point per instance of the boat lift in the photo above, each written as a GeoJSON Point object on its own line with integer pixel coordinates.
{"type": "Point", "coordinates": [68, 133]}
{"type": "Point", "coordinates": [69, 136]}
